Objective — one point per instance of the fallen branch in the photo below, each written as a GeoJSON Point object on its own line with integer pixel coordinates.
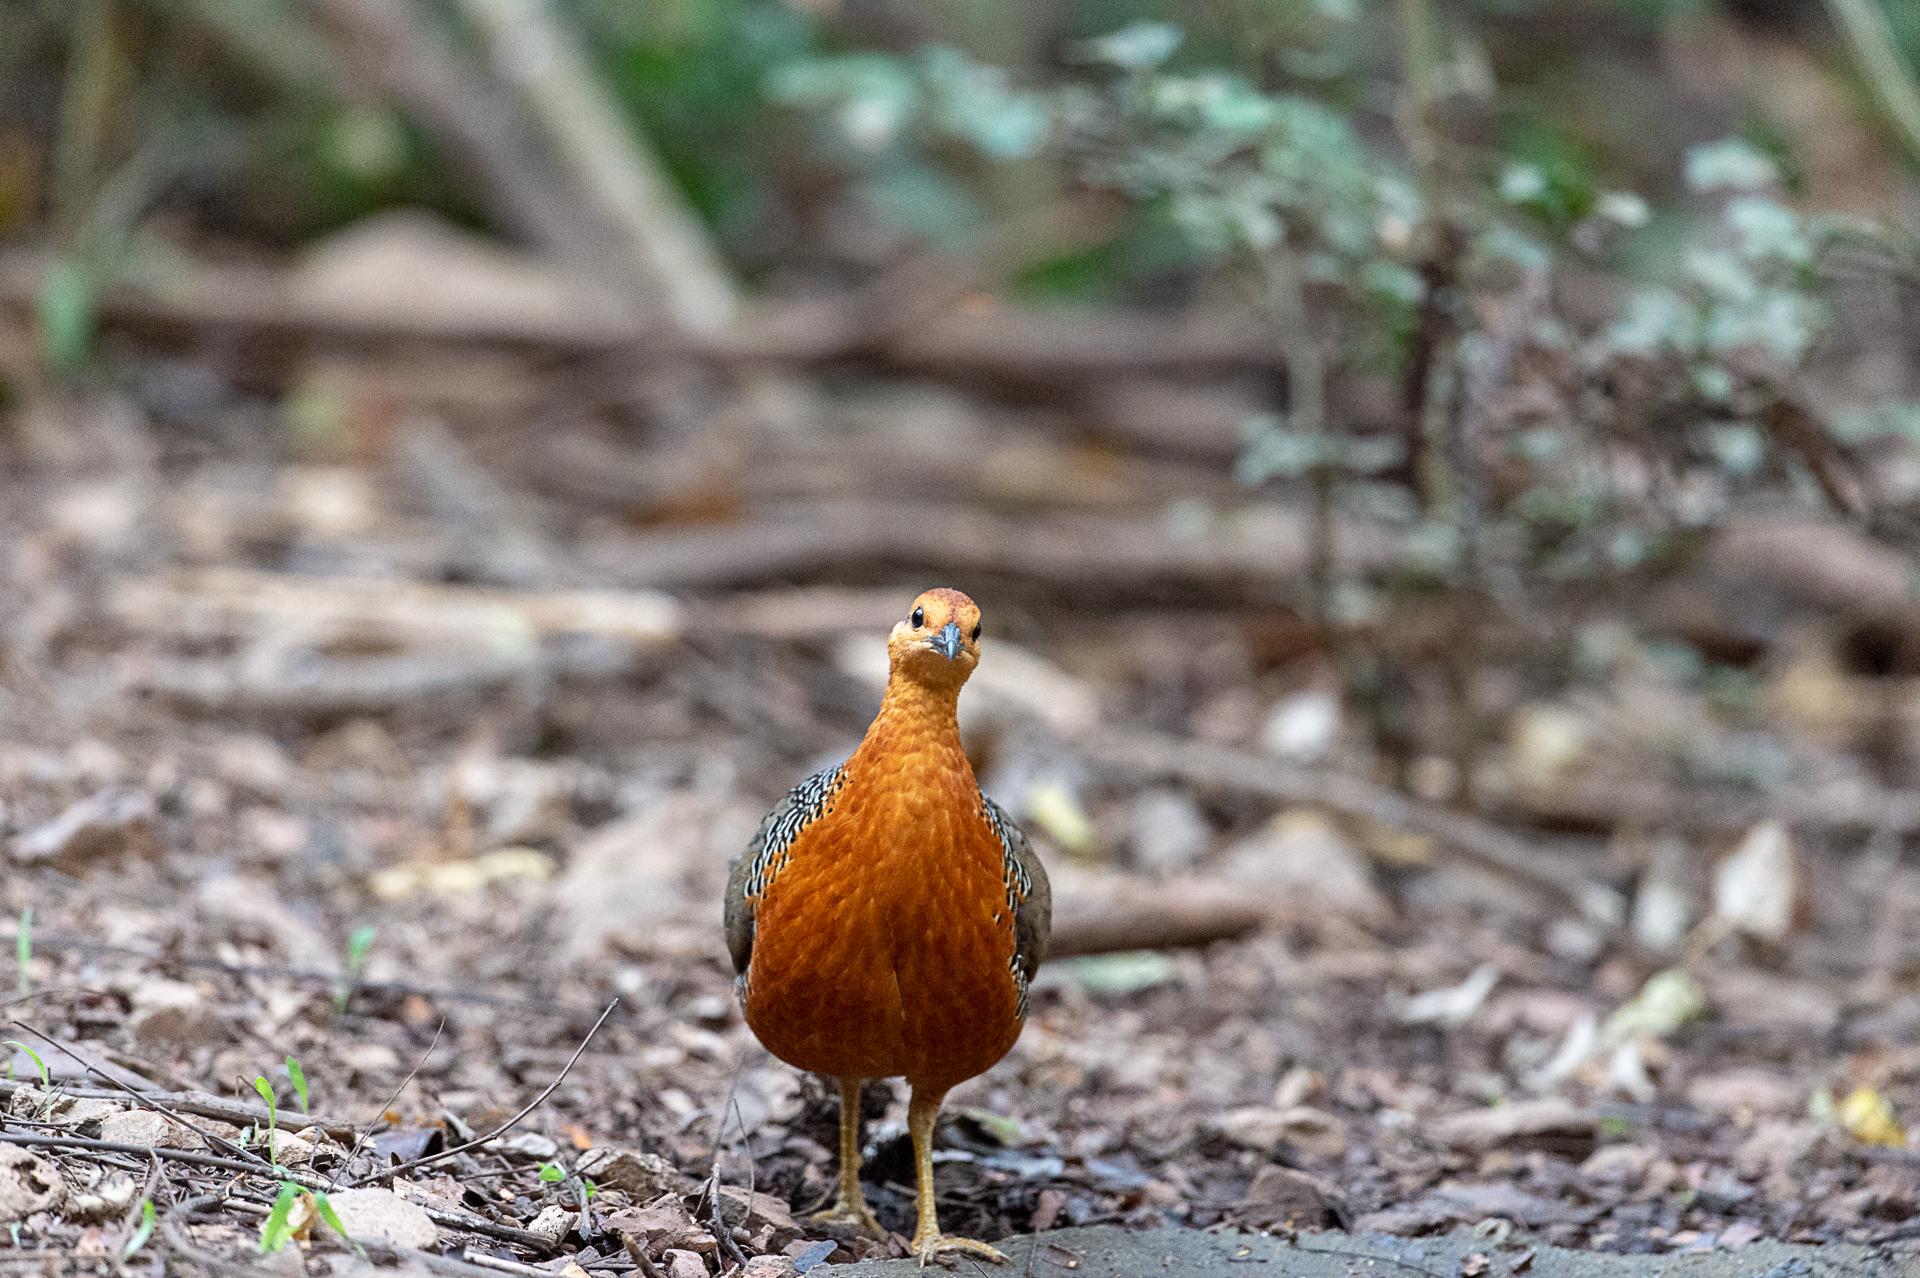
{"type": "Point", "coordinates": [199, 1104]}
{"type": "Point", "coordinates": [1167, 916]}
{"type": "Point", "coordinates": [1002, 345]}
{"type": "Point", "coordinates": [1259, 549]}
{"type": "Point", "coordinates": [387, 1173]}
{"type": "Point", "coordinates": [389, 50]}
{"type": "Point", "coordinates": [1142, 754]}
{"type": "Point", "coordinates": [654, 232]}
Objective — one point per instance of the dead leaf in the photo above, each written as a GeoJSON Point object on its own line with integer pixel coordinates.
{"type": "Point", "coordinates": [1755, 886]}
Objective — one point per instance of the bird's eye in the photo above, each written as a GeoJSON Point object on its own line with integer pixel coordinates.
{"type": "Point", "coordinates": [976, 632]}
{"type": "Point", "coordinates": [919, 618]}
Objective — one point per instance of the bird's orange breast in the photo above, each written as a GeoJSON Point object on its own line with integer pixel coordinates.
{"type": "Point", "coordinates": [882, 944]}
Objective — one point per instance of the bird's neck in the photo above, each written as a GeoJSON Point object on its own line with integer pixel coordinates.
{"type": "Point", "coordinates": [920, 720]}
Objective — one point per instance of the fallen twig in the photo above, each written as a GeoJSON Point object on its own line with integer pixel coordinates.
{"type": "Point", "coordinates": [387, 1173]}
{"type": "Point", "coordinates": [199, 1104]}
{"type": "Point", "coordinates": [149, 1100]}
{"type": "Point", "coordinates": [1168, 916]}
{"type": "Point", "coordinates": [360, 1134]}
{"type": "Point", "coordinates": [1201, 764]}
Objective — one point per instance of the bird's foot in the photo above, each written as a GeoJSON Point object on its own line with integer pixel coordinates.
{"type": "Point", "coordinates": [944, 1249]}
{"type": "Point", "coordinates": [852, 1215]}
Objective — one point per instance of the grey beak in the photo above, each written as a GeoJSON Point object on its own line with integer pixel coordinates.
{"type": "Point", "coordinates": [948, 641]}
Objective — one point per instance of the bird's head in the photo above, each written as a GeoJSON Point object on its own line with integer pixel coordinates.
{"type": "Point", "coordinates": [938, 642]}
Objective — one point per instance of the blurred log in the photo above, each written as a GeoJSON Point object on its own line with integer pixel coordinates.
{"type": "Point", "coordinates": [611, 169]}
{"type": "Point", "coordinates": [967, 465]}
{"type": "Point", "coordinates": [381, 42]}
{"type": "Point", "coordinates": [1259, 549]}
{"type": "Point", "coordinates": [1153, 916]}
{"type": "Point", "coordinates": [1002, 344]}
{"type": "Point", "coordinates": [1146, 755]}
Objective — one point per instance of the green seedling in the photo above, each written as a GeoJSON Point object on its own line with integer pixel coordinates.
{"type": "Point", "coordinates": [324, 1209]}
{"type": "Point", "coordinates": [142, 1231]}
{"type": "Point", "coordinates": [23, 953]}
{"type": "Point", "coordinates": [265, 1089]}
{"type": "Point", "coordinates": [299, 1077]}
{"type": "Point", "coordinates": [359, 943]}
{"type": "Point", "coordinates": [39, 1065]}
{"type": "Point", "coordinates": [276, 1231]}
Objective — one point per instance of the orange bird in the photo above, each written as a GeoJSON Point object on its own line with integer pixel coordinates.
{"type": "Point", "coordinates": [887, 918]}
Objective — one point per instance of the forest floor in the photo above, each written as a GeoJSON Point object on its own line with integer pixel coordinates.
{"type": "Point", "coordinates": [253, 828]}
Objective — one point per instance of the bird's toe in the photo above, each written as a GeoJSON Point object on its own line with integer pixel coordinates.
{"type": "Point", "coordinates": [849, 1217]}
{"type": "Point", "coordinates": [945, 1249]}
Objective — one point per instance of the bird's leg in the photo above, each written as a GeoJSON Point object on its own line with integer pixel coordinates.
{"type": "Point", "coordinates": [928, 1242]}
{"type": "Point", "coordinates": [850, 1204]}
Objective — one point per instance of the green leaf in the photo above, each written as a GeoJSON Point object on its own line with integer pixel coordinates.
{"type": "Point", "coordinates": [324, 1208]}
{"type": "Point", "coordinates": [142, 1231]}
{"type": "Point", "coordinates": [277, 1230]}
{"type": "Point", "coordinates": [67, 312]}
{"type": "Point", "coordinates": [299, 1077]}
{"type": "Point", "coordinates": [359, 942]}
{"type": "Point", "coordinates": [40, 1066]}
{"type": "Point", "coordinates": [265, 1089]}
{"type": "Point", "coordinates": [552, 1173]}
{"type": "Point", "coordinates": [1730, 165]}
{"type": "Point", "coordinates": [1138, 47]}
{"type": "Point", "coordinates": [23, 951]}
{"type": "Point", "coordinates": [1123, 973]}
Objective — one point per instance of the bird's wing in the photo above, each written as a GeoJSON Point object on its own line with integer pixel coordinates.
{"type": "Point", "coordinates": [766, 856]}
{"type": "Point", "coordinates": [1029, 896]}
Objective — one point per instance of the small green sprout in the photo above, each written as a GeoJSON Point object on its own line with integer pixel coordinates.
{"type": "Point", "coordinates": [262, 1086]}
{"type": "Point", "coordinates": [359, 944]}
{"type": "Point", "coordinates": [39, 1065]}
{"type": "Point", "coordinates": [142, 1231]}
{"type": "Point", "coordinates": [299, 1077]}
{"type": "Point", "coordinates": [23, 953]}
{"type": "Point", "coordinates": [276, 1231]}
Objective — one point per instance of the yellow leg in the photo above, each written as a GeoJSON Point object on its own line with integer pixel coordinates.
{"type": "Point", "coordinates": [928, 1242]}
{"type": "Point", "coordinates": [850, 1204]}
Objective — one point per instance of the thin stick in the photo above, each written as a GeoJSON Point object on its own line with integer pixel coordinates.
{"type": "Point", "coordinates": [503, 1128]}
{"type": "Point", "coordinates": [213, 1139]}
{"type": "Point", "coordinates": [188, 1103]}
{"type": "Point", "coordinates": [360, 1136]}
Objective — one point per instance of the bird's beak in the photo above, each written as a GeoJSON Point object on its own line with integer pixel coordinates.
{"type": "Point", "coordinates": [947, 642]}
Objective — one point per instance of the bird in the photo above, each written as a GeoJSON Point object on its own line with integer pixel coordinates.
{"type": "Point", "coordinates": [887, 919]}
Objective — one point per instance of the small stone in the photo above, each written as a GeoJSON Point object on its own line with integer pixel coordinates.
{"type": "Point", "coordinates": [553, 1223]}
{"type": "Point", "coordinates": [757, 1213]}
{"type": "Point", "coordinates": [1166, 830]}
{"type": "Point", "coordinates": [1282, 1196]}
{"type": "Point", "coordinates": [1747, 1093]}
{"type": "Point", "coordinates": [108, 1200]}
{"type": "Point", "coordinates": [769, 1267]}
{"type": "Point", "coordinates": [661, 1224]}
{"type": "Point", "coordinates": [1264, 1129]}
{"type": "Point", "coordinates": [1548, 1120]}
{"type": "Point", "coordinates": [684, 1264]}
{"type": "Point", "coordinates": [380, 1215]}
{"type": "Point", "coordinates": [1623, 1166]}
{"type": "Point", "coordinates": [532, 1145]}
{"type": "Point", "coordinates": [641, 1176]}
{"type": "Point", "coordinates": [1300, 857]}
{"type": "Point", "coordinates": [27, 1184]}
{"type": "Point", "coordinates": [147, 1129]}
